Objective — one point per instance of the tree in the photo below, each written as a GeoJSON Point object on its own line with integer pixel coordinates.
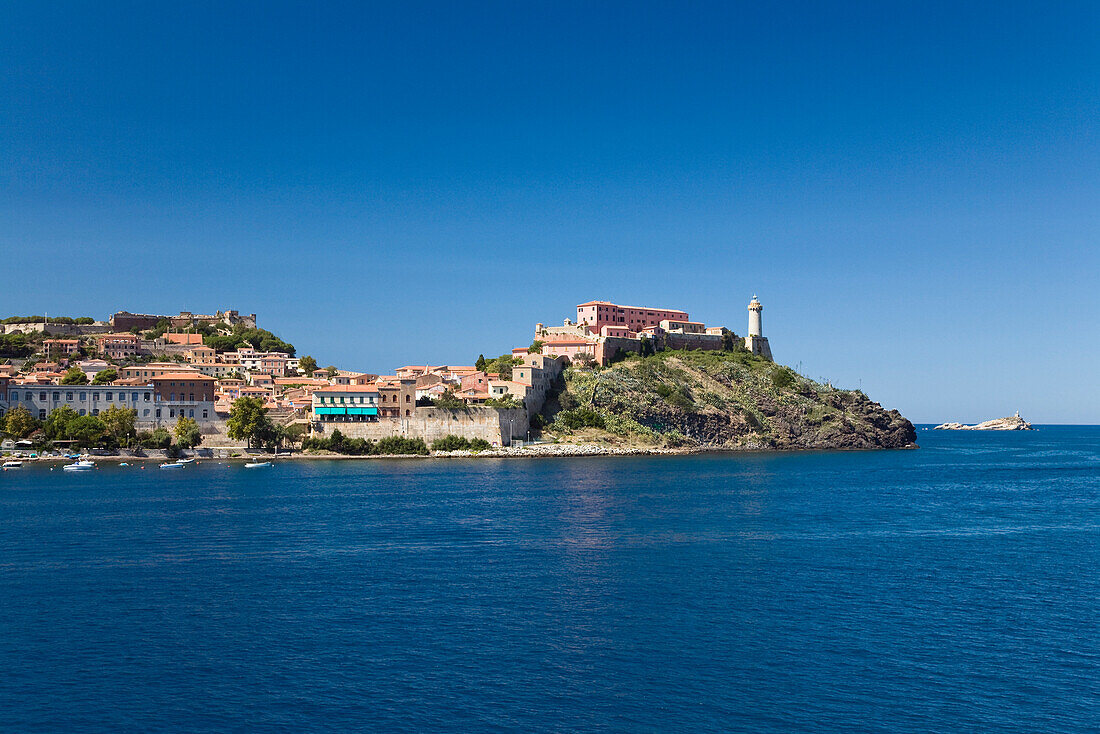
{"type": "Point", "coordinates": [536, 347]}
{"type": "Point", "coordinates": [307, 365]}
{"type": "Point", "coordinates": [449, 401]}
{"type": "Point", "coordinates": [295, 433]}
{"type": "Point", "coordinates": [105, 376]}
{"type": "Point", "coordinates": [119, 423]}
{"type": "Point", "coordinates": [480, 363]}
{"type": "Point", "coordinates": [65, 424]}
{"type": "Point", "coordinates": [57, 425]}
{"type": "Point", "coordinates": [584, 359]}
{"type": "Point", "coordinates": [187, 433]}
{"type": "Point", "coordinates": [158, 439]}
{"type": "Point", "coordinates": [19, 422]}
{"type": "Point", "coordinates": [74, 376]}
{"type": "Point", "coordinates": [248, 421]}
{"type": "Point", "coordinates": [87, 430]}
{"type": "Point", "coordinates": [331, 370]}
{"type": "Point", "coordinates": [730, 341]}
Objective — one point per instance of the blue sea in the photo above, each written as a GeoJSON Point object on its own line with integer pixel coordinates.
{"type": "Point", "coordinates": [951, 588]}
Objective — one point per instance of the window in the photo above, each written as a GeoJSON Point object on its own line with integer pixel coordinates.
{"type": "Point", "coordinates": [147, 397]}
{"type": "Point", "coordinates": [204, 413]}
{"type": "Point", "coordinates": [14, 396]}
{"type": "Point", "coordinates": [95, 411]}
{"type": "Point", "coordinates": [42, 414]}
{"type": "Point", "coordinates": [57, 395]}
{"type": "Point", "coordinates": [192, 397]}
{"type": "Point", "coordinates": [134, 396]}
{"type": "Point", "coordinates": [158, 412]}
{"type": "Point", "coordinates": [82, 411]}
{"type": "Point", "coordinates": [146, 412]}
{"type": "Point", "coordinates": [42, 396]}
{"type": "Point", "coordinates": [190, 413]}
{"type": "Point", "coordinates": [83, 396]}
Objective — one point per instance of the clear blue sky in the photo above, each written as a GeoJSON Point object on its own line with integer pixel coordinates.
{"type": "Point", "coordinates": [913, 189]}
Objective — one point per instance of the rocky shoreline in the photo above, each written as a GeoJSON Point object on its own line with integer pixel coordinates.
{"type": "Point", "coordinates": [557, 450]}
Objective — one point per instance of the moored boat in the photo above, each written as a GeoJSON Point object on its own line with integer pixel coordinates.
{"type": "Point", "coordinates": [81, 465]}
{"type": "Point", "coordinates": [13, 464]}
{"type": "Point", "coordinates": [172, 465]}
{"type": "Point", "coordinates": [257, 464]}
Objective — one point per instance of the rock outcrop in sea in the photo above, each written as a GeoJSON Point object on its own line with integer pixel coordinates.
{"type": "Point", "coordinates": [1011, 423]}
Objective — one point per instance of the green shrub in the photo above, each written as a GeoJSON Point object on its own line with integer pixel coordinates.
{"type": "Point", "coordinates": [401, 445]}
{"type": "Point", "coordinates": [480, 444]}
{"type": "Point", "coordinates": [782, 377]}
{"type": "Point", "coordinates": [450, 442]}
{"type": "Point", "coordinates": [580, 418]}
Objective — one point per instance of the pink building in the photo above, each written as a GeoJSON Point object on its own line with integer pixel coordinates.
{"type": "Point", "coordinates": [597, 314]}
{"type": "Point", "coordinates": [569, 347]}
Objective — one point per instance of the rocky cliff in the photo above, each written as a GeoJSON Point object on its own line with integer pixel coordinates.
{"type": "Point", "coordinates": [727, 400]}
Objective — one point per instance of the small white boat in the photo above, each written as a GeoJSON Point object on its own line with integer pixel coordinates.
{"type": "Point", "coordinates": [172, 465]}
{"type": "Point", "coordinates": [185, 461]}
{"type": "Point", "coordinates": [257, 464]}
{"type": "Point", "coordinates": [13, 464]}
{"type": "Point", "coordinates": [82, 465]}
{"type": "Point", "coordinates": [123, 464]}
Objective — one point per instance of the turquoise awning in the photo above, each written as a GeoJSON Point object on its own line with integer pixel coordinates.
{"type": "Point", "coordinates": [329, 411]}
{"type": "Point", "coordinates": [362, 411]}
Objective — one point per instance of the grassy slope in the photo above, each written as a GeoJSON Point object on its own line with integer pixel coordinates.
{"type": "Point", "coordinates": [721, 400]}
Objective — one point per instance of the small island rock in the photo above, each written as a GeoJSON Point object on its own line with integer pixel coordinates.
{"type": "Point", "coordinates": [1011, 423]}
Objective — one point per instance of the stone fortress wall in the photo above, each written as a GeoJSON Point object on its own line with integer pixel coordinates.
{"type": "Point", "coordinates": [495, 425]}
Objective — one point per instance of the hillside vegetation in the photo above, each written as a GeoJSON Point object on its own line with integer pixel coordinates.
{"type": "Point", "coordinates": [729, 400]}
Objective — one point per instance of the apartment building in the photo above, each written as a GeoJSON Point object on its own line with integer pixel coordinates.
{"type": "Point", "coordinates": [118, 346]}
{"type": "Point", "coordinates": [346, 404]}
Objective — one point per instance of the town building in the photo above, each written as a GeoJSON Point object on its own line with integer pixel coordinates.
{"type": "Point", "coordinates": [346, 403]}
{"type": "Point", "coordinates": [118, 346]}
{"type": "Point", "coordinates": [41, 400]}
{"type": "Point", "coordinates": [154, 369]}
{"type": "Point", "coordinates": [184, 393]}
{"type": "Point", "coordinates": [60, 348]}
{"type": "Point", "coordinates": [597, 314]}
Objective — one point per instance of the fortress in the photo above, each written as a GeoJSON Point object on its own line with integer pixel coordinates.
{"type": "Point", "coordinates": [603, 330]}
{"type": "Point", "coordinates": [124, 320]}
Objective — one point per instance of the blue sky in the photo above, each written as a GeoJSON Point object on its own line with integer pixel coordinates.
{"type": "Point", "coordinates": [913, 189]}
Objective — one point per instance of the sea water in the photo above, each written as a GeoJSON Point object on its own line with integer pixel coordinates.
{"type": "Point", "coordinates": [950, 588]}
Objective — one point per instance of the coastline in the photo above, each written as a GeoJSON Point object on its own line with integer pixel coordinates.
{"type": "Point", "coordinates": [544, 451]}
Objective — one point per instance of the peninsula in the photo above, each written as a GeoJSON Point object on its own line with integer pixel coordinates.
{"type": "Point", "coordinates": [617, 378]}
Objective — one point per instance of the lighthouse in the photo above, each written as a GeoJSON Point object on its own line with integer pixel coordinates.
{"type": "Point", "coordinates": [756, 342]}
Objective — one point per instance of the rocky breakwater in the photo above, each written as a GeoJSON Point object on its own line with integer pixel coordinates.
{"type": "Point", "coordinates": [1011, 423]}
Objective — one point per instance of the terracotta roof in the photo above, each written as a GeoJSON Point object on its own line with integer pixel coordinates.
{"type": "Point", "coordinates": [183, 376]}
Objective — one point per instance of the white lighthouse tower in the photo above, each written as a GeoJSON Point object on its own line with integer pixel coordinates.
{"type": "Point", "coordinates": [756, 342]}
